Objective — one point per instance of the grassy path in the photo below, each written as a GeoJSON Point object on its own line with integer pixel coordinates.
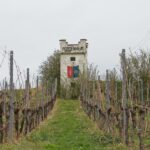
{"type": "Point", "coordinates": [67, 128]}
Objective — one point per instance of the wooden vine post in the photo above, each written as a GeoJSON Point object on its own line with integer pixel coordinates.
{"type": "Point", "coordinates": [43, 98]}
{"type": "Point", "coordinates": [11, 102]}
{"type": "Point", "coordinates": [107, 101]}
{"type": "Point", "coordinates": [107, 91]}
{"type": "Point", "coordinates": [27, 95]}
{"type": "Point", "coordinates": [124, 98]}
{"type": "Point", "coordinates": [27, 88]}
{"type": "Point", "coordinates": [37, 90]}
{"type": "Point", "coordinates": [99, 93]}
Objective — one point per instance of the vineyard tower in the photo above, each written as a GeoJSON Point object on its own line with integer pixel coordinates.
{"type": "Point", "coordinates": [73, 61]}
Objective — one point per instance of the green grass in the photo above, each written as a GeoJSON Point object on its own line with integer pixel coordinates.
{"type": "Point", "coordinates": [67, 128]}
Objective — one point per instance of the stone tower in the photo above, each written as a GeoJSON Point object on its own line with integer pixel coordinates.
{"type": "Point", "coordinates": [73, 61]}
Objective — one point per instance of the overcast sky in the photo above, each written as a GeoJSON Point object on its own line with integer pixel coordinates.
{"type": "Point", "coordinates": [32, 28]}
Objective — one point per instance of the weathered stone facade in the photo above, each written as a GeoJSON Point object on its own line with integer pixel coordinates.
{"type": "Point", "coordinates": [72, 55]}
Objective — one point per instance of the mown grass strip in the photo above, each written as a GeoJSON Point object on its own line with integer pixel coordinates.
{"type": "Point", "coordinates": [67, 128]}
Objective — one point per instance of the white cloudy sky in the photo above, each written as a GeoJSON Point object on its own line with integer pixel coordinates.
{"type": "Point", "coordinates": [32, 28]}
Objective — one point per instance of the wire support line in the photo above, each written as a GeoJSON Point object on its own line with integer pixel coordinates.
{"type": "Point", "coordinates": [144, 39]}
{"type": "Point", "coordinates": [3, 59]}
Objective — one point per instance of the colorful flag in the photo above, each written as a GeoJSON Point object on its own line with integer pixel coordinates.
{"type": "Point", "coordinates": [75, 71]}
{"type": "Point", "coordinates": [69, 71]}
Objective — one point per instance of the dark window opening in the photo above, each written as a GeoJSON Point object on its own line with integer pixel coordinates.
{"type": "Point", "coordinates": [72, 58]}
{"type": "Point", "coordinates": [82, 48]}
{"type": "Point", "coordinates": [73, 84]}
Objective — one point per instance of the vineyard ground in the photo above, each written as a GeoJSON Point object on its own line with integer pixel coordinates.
{"type": "Point", "coordinates": [66, 128]}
